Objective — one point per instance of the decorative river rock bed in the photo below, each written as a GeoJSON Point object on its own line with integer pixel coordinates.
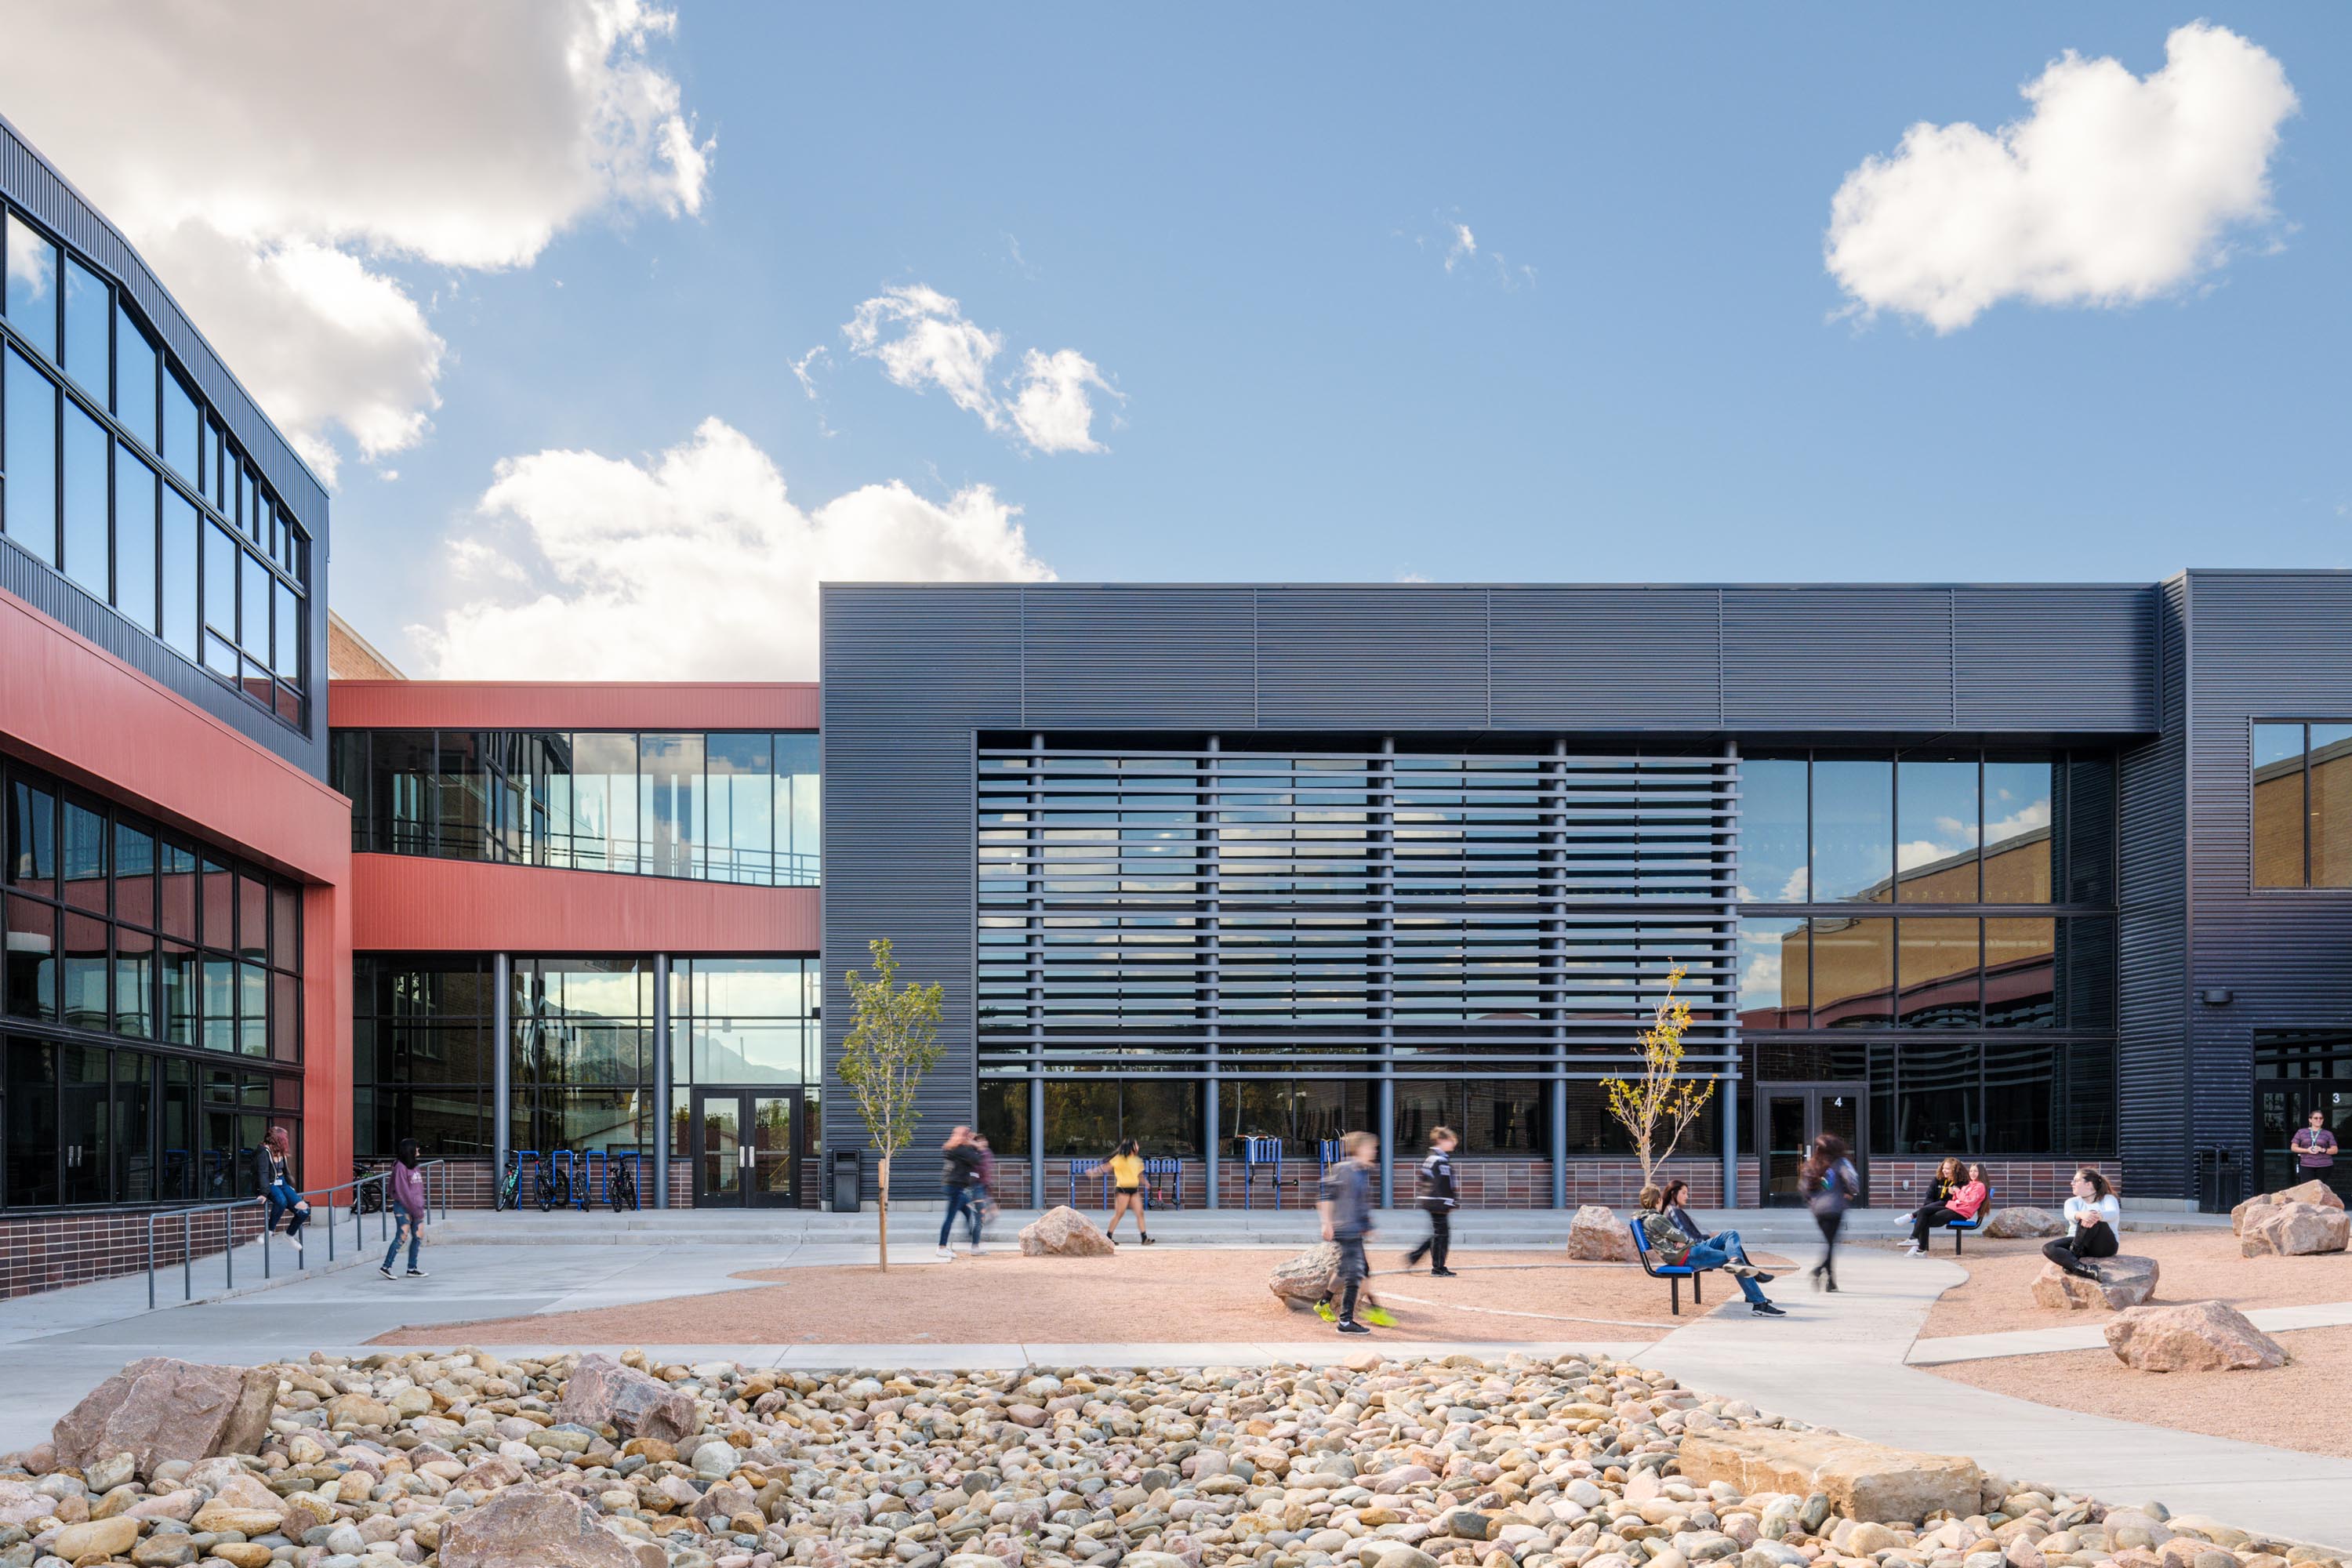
{"type": "Point", "coordinates": [473, 1461]}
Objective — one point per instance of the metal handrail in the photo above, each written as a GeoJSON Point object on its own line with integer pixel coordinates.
{"type": "Point", "coordinates": [186, 1217]}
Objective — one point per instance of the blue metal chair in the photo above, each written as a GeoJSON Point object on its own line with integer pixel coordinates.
{"type": "Point", "coordinates": [1960, 1227]}
{"type": "Point", "coordinates": [1673, 1274]}
{"type": "Point", "coordinates": [1082, 1168]}
{"type": "Point", "coordinates": [1261, 1153]}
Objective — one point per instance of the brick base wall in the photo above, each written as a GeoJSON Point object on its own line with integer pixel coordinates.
{"type": "Point", "coordinates": [1480, 1184]}
{"type": "Point", "coordinates": [48, 1252]}
{"type": "Point", "coordinates": [2038, 1183]}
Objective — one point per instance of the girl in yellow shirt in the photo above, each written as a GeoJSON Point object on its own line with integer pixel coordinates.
{"type": "Point", "coordinates": [1127, 1190]}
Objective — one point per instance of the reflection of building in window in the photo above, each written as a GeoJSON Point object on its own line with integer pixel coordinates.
{"type": "Point", "coordinates": [2303, 806]}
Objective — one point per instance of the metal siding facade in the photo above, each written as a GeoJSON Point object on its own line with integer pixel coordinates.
{"type": "Point", "coordinates": [2054, 658]}
{"type": "Point", "coordinates": [2152, 976]}
{"type": "Point", "coordinates": [1626, 659]}
{"type": "Point", "coordinates": [1357, 658]}
{"type": "Point", "coordinates": [1148, 658]}
{"type": "Point", "coordinates": [1838, 659]}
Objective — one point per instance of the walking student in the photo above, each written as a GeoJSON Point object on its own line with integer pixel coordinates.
{"type": "Point", "coordinates": [273, 1168]}
{"type": "Point", "coordinates": [983, 1200]}
{"type": "Point", "coordinates": [1828, 1181]}
{"type": "Point", "coordinates": [407, 1195]}
{"type": "Point", "coordinates": [1434, 1182]}
{"type": "Point", "coordinates": [1962, 1203]}
{"type": "Point", "coordinates": [2093, 1221]}
{"type": "Point", "coordinates": [1346, 1206]}
{"type": "Point", "coordinates": [1127, 1190]}
{"type": "Point", "coordinates": [1671, 1241]}
{"type": "Point", "coordinates": [960, 1179]}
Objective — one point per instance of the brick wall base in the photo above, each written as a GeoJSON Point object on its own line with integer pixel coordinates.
{"type": "Point", "coordinates": [48, 1252]}
{"type": "Point", "coordinates": [1479, 1183]}
{"type": "Point", "coordinates": [2038, 1183]}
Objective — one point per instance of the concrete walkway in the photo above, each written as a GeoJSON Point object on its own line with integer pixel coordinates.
{"type": "Point", "coordinates": [2093, 1336]}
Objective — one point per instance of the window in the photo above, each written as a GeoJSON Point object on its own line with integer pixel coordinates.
{"type": "Point", "coordinates": [134, 539]}
{"type": "Point", "coordinates": [31, 455]}
{"type": "Point", "coordinates": [134, 380]}
{"type": "Point", "coordinates": [1773, 868]}
{"type": "Point", "coordinates": [32, 293]}
{"type": "Point", "coordinates": [90, 311]}
{"type": "Point", "coordinates": [88, 457]}
{"type": "Point", "coordinates": [2302, 804]}
{"type": "Point", "coordinates": [421, 1061]}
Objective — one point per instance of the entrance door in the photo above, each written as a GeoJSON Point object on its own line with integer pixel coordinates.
{"type": "Point", "coordinates": [1790, 1119]}
{"type": "Point", "coordinates": [2282, 1108]}
{"type": "Point", "coordinates": [746, 1148]}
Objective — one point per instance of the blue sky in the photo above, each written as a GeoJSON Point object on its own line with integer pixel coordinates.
{"type": "Point", "coordinates": [1243, 219]}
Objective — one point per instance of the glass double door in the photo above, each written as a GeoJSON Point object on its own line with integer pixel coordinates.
{"type": "Point", "coordinates": [2282, 1108]}
{"type": "Point", "coordinates": [746, 1148]}
{"type": "Point", "coordinates": [1791, 1118]}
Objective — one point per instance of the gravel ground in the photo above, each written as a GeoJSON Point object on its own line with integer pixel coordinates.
{"type": "Point", "coordinates": [2305, 1404]}
{"type": "Point", "coordinates": [1163, 1294]}
{"type": "Point", "coordinates": [2192, 1265]}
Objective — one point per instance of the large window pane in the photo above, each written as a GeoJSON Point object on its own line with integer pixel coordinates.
{"type": "Point", "coordinates": [134, 1128]}
{"type": "Point", "coordinates": [1854, 972]}
{"type": "Point", "coordinates": [134, 874]}
{"type": "Point", "coordinates": [88, 311]}
{"type": "Point", "coordinates": [84, 979]}
{"type": "Point", "coordinates": [2020, 958]}
{"type": "Point", "coordinates": [81, 853]}
{"type": "Point", "coordinates": [220, 583]}
{"type": "Point", "coordinates": [1773, 980]}
{"type": "Point", "coordinates": [180, 525]}
{"type": "Point", "coordinates": [134, 378]}
{"type": "Point", "coordinates": [798, 804]}
{"type": "Point", "coordinates": [1004, 1117]}
{"type": "Point", "coordinates": [1936, 1109]}
{"type": "Point", "coordinates": [399, 769]}
{"type": "Point", "coordinates": [134, 983]}
{"type": "Point", "coordinates": [176, 1128]}
{"type": "Point", "coordinates": [134, 539]}
{"type": "Point", "coordinates": [32, 838]}
{"type": "Point", "coordinates": [1935, 837]}
{"type": "Point", "coordinates": [1082, 1119]}
{"type": "Point", "coordinates": [604, 802]}
{"type": "Point", "coordinates": [254, 613]}
{"type": "Point", "coordinates": [461, 796]}
{"type": "Point", "coordinates": [726, 1050]}
{"type": "Point", "coordinates": [219, 1004]}
{"type": "Point", "coordinates": [84, 1123]}
{"type": "Point", "coordinates": [1937, 967]}
{"type": "Point", "coordinates": [1854, 830]}
{"type": "Point", "coordinates": [32, 960]}
{"type": "Point", "coordinates": [287, 612]}
{"type": "Point", "coordinates": [1591, 1129]}
{"type": "Point", "coordinates": [178, 866]}
{"type": "Point", "coordinates": [2021, 1090]}
{"type": "Point", "coordinates": [88, 455]}
{"type": "Point", "coordinates": [1300, 1111]}
{"type": "Point", "coordinates": [32, 457]}
{"type": "Point", "coordinates": [1513, 1116]}
{"type": "Point", "coordinates": [741, 839]}
{"type": "Point", "coordinates": [1163, 1117]}
{"type": "Point", "coordinates": [2330, 786]}
{"type": "Point", "coordinates": [2017, 815]}
{"type": "Point", "coordinates": [2087, 1099]}
{"type": "Point", "coordinates": [669, 803]}
{"type": "Point", "coordinates": [182, 984]}
{"type": "Point", "coordinates": [183, 428]}
{"type": "Point", "coordinates": [32, 286]}
{"type": "Point", "coordinates": [1772, 863]}
{"type": "Point", "coordinates": [31, 1103]}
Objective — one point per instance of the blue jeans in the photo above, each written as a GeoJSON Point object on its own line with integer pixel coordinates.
{"type": "Point", "coordinates": [959, 1201]}
{"type": "Point", "coordinates": [413, 1227]}
{"type": "Point", "coordinates": [284, 1199]}
{"type": "Point", "coordinates": [1722, 1248]}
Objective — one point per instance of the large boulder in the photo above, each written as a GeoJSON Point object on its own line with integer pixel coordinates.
{"type": "Point", "coordinates": [1597, 1236]}
{"type": "Point", "coordinates": [601, 1391]}
{"type": "Point", "coordinates": [538, 1527]}
{"type": "Point", "coordinates": [1305, 1279]}
{"type": "Point", "coordinates": [2124, 1281]}
{"type": "Point", "coordinates": [1862, 1480]}
{"type": "Point", "coordinates": [2201, 1336]}
{"type": "Point", "coordinates": [2294, 1230]}
{"type": "Point", "coordinates": [2310, 1191]}
{"type": "Point", "coordinates": [1063, 1232]}
{"type": "Point", "coordinates": [2010, 1224]}
{"type": "Point", "coordinates": [158, 1409]}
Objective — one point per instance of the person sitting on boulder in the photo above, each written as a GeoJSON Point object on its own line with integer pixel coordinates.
{"type": "Point", "coordinates": [1963, 1202]}
{"type": "Point", "coordinates": [1671, 1244]}
{"type": "Point", "coordinates": [2093, 1220]}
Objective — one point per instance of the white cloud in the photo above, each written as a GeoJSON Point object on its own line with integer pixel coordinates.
{"type": "Point", "coordinates": [921, 339]}
{"type": "Point", "coordinates": [1465, 247]}
{"type": "Point", "coordinates": [262, 154]}
{"type": "Point", "coordinates": [2114, 189]}
{"type": "Point", "coordinates": [694, 563]}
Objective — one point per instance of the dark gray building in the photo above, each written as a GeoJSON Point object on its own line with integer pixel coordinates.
{"type": "Point", "coordinates": [2034, 874]}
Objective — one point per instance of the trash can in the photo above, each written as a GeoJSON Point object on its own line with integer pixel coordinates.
{"type": "Point", "coordinates": [848, 1180]}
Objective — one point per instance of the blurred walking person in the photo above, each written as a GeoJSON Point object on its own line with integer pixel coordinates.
{"type": "Point", "coordinates": [960, 1179]}
{"type": "Point", "coordinates": [1346, 1206]}
{"type": "Point", "coordinates": [1127, 1190]}
{"type": "Point", "coordinates": [406, 1195]}
{"type": "Point", "coordinates": [1435, 1181]}
{"type": "Point", "coordinates": [1829, 1185]}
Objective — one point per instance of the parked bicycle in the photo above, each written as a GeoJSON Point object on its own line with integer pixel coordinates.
{"type": "Point", "coordinates": [367, 1197]}
{"type": "Point", "coordinates": [621, 1185]}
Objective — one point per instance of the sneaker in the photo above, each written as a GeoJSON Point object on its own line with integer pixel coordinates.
{"type": "Point", "coordinates": [1766, 1309]}
{"type": "Point", "coordinates": [1741, 1270]}
{"type": "Point", "coordinates": [385, 1271]}
{"type": "Point", "coordinates": [1325, 1310]}
{"type": "Point", "coordinates": [418, 1274]}
{"type": "Point", "coordinates": [1761, 1278]}
{"type": "Point", "coordinates": [297, 1243]}
{"type": "Point", "coordinates": [1380, 1317]}
{"type": "Point", "coordinates": [1443, 1274]}
{"type": "Point", "coordinates": [1147, 1239]}
{"type": "Point", "coordinates": [947, 1255]}
{"type": "Point", "coordinates": [978, 1250]}
{"type": "Point", "coordinates": [1353, 1327]}
{"type": "Point", "coordinates": [1912, 1249]}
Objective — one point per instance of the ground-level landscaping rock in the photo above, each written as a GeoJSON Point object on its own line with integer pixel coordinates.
{"type": "Point", "coordinates": [2310, 1191]}
{"type": "Point", "coordinates": [2294, 1230]}
{"type": "Point", "coordinates": [98, 1537]}
{"type": "Point", "coordinates": [2200, 1336]}
{"type": "Point", "coordinates": [1862, 1480]}
{"type": "Point", "coordinates": [601, 1391]}
{"type": "Point", "coordinates": [158, 1409]}
{"type": "Point", "coordinates": [1306, 1278]}
{"type": "Point", "coordinates": [2124, 1281]}
{"type": "Point", "coordinates": [1597, 1236]}
{"type": "Point", "coordinates": [2009, 1224]}
{"type": "Point", "coordinates": [1063, 1232]}
{"type": "Point", "coordinates": [538, 1527]}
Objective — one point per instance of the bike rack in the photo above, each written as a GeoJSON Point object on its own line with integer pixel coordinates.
{"type": "Point", "coordinates": [584, 1186]}
{"type": "Point", "coordinates": [634, 1161]}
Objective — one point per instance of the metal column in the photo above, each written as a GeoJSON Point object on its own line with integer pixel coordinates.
{"type": "Point", "coordinates": [1384, 976]}
{"type": "Point", "coordinates": [1037, 1139]}
{"type": "Point", "coordinates": [1033, 962]}
{"type": "Point", "coordinates": [1555, 898]}
{"type": "Point", "coordinates": [1211, 998]}
{"type": "Point", "coordinates": [501, 1069]}
{"type": "Point", "coordinates": [1727, 1084]}
{"type": "Point", "coordinates": [663, 1121]}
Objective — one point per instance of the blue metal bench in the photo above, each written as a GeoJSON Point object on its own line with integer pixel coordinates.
{"type": "Point", "coordinates": [1080, 1168]}
{"type": "Point", "coordinates": [1960, 1227]}
{"type": "Point", "coordinates": [1673, 1274]}
{"type": "Point", "coordinates": [1163, 1183]}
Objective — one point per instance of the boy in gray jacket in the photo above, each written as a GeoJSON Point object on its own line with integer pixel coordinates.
{"type": "Point", "coordinates": [1346, 1209]}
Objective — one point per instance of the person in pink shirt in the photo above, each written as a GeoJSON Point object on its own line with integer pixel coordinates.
{"type": "Point", "coordinates": [1961, 1204]}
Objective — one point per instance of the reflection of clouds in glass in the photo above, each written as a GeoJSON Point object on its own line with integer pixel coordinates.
{"type": "Point", "coordinates": [1919, 852]}
{"type": "Point", "coordinates": [1760, 978]}
{"type": "Point", "coordinates": [30, 264]}
{"type": "Point", "coordinates": [2030, 817]}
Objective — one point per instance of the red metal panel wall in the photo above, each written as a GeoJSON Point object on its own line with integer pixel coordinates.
{"type": "Point", "coordinates": [571, 705]}
{"type": "Point", "coordinates": [405, 903]}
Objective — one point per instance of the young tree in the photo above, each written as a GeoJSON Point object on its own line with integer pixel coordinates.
{"type": "Point", "coordinates": [1661, 1104]}
{"type": "Point", "coordinates": [892, 1043]}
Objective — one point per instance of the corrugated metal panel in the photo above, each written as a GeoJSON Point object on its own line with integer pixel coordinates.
{"type": "Point", "coordinates": [2152, 1113]}
{"type": "Point", "coordinates": [1609, 658]}
{"type": "Point", "coordinates": [410, 903]}
{"type": "Point", "coordinates": [2053, 658]}
{"type": "Point", "coordinates": [1403, 657]}
{"type": "Point", "coordinates": [1181, 658]}
{"type": "Point", "coordinates": [1838, 659]}
{"type": "Point", "coordinates": [683, 705]}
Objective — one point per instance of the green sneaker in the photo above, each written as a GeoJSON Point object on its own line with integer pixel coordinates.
{"type": "Point", "coordinates": [1325, 1310]}
{"type": "Point", "coordinates": [1380, 1317]}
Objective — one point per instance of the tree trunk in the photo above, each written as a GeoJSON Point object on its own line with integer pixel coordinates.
{"type": "Point", "coordinates": [884, 1176]}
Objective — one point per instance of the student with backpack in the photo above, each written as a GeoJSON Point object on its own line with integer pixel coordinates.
{"type": "Point", "coordinates": [1433, 1183]}
{"type": "Point", "coordinates": [1829, 1185]}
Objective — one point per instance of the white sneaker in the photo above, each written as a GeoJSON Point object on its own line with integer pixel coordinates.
{"type": "Point", "coordinates": [947, 1254]}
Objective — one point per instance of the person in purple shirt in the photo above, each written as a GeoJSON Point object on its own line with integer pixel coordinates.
{"type": "Point", "coordinates": [406, 1197]}
{"type": "Point", "coordinates": [2315, 1146]}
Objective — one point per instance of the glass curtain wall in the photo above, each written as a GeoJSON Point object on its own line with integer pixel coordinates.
{"type": "Point", "coordinates": [1960, 907]}
{"type": "Point", "coordinates": [724, 807]}
{"type": "Point", "coordinates": [744, 1021]}
{"type": "Point", "coordinates": [116, 474]}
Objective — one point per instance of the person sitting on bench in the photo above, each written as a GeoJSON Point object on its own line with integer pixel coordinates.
{"type": "Point", "coordinates": [1673, 1201]}
{"type": "Point", "coordinates": [1963, 1204]}
{"type": "Point", "coordinates": [2092, 1219]}
{"type": "Point", "coordinates": [1672, 1245]}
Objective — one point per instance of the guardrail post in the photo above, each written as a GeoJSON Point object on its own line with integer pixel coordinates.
{"type": "Point", "coordinates": [151, 1262]}
{"type": "Point", "coordinates": [187, 1255]}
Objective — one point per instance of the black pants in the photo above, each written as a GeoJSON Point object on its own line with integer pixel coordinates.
{"type": "Point", "coordinates": [1440, 1230]}
{"type": "Point", "coordinates": [1928, 1219]}
{"type": "Point", "coordinates": [1831, 1224]}
{"type": "Point", "coordinates": [2068, 1251]}
{"type": "Point", "coordinates": [1354, 1270]}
